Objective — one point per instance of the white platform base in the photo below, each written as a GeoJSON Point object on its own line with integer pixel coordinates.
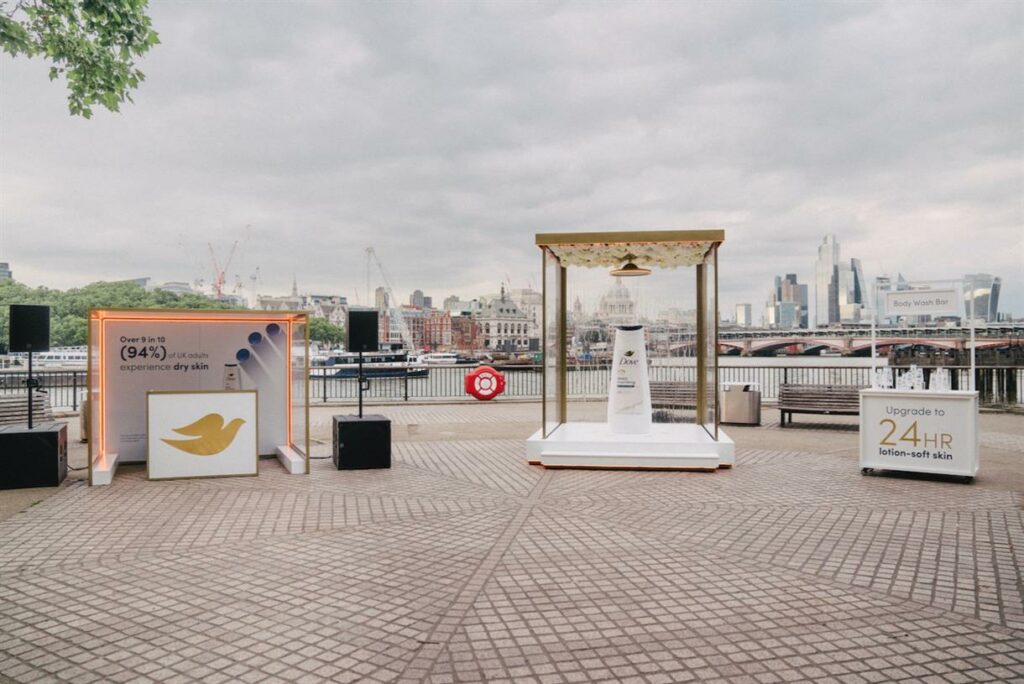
{"type": "Point", "coordinates": [103, 468]}
{"type": "Point", "coordinates": [674, 446]}
{"type": "Point", "coordinates": [293, 461]}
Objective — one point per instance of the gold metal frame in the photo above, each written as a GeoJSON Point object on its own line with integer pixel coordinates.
{"type": "Point", "coordinates": [256, 462]}
{"type": "Point", "coordinates": [619, 237]}
{"type": "Point", "coordinates": [545, 240]}
{"type": "Point", "coordinates": [269, 316]}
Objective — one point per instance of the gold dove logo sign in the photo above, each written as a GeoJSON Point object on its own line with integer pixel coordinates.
{"type": "Point", "coordinates": [209, 435]}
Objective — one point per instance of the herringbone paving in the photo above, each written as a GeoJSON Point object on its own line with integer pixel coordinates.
{"type": "Point", "coordinates": [463, 563]}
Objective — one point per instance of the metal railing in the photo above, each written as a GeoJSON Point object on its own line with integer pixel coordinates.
{"type": "Point", "coordinates": [65, 388]}
{"type": "Point", "coordinates": [997, 385]}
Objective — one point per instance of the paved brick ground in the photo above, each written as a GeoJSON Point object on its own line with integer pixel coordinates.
{"type": "Point", "coordinates": [462, 563]}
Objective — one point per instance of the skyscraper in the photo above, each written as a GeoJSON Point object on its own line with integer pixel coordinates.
{"type": "Point", "coordinates": [5, 271]}
{"type": "Point", "coordinates": [883, 284]}
{"type": "Point", "coordinates": [839, 288]}
{"type": "Point", "coordinates": [826, 305]}
{"type": "Point", "coordinates": [743, 315]}
{"type": "Point", "coordinates": [985, 294]}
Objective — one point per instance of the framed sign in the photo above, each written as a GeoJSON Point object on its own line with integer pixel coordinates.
{"type": "Point", "coordinates": [938, 302]}
{"type": "Point", "coordinates": [919, 431]}
{"type": "Point", "coordinates": [202, 434]}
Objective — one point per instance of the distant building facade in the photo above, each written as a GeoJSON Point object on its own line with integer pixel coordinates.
{"type": "Point", "coordinates": [466, 332]}
{"type": "Point", "coordinates": [743, 315]}
{"type": "Point", "coordinates": [505, 328]}
{"type": "Point", "coordinates": [983, 289]}
{"type": "Point", "coordinates": [786, 307]}
{"type": "Point", "coordinates": [531, 303]}
{"type": "Point", "coordinates": [5, 271]}
{"type": "Point", "coordinates": [437, 330]}
{"type": "Point", "coordinates": [617, 306]}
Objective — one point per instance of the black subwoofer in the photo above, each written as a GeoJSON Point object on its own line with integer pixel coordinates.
{"type": "Point", "coordinates": [33, 458]}
{"type": "Point", "coordinates": [362, 442]}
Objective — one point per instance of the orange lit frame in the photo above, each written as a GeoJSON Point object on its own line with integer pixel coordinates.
{"type": "Point", "coordinates": [292, 321]}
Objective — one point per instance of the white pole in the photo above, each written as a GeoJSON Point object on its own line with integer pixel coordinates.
{"type": "Point", "coordinates": [971, 285]}
{"type": "Point", "coordinates": [874, 316]}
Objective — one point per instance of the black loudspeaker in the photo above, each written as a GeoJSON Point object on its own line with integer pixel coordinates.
{"type": "Point", "coordinates": [30, 328]}
{"type": "Point", "coordinates": [362, 331]}
{"type": "Point", "coordinates": [362, 442]}
{"type": "Point", "coordinates": [33, 458]}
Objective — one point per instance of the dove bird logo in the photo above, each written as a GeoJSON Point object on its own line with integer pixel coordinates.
{"type": "Point", "coordinates": [209, 435]}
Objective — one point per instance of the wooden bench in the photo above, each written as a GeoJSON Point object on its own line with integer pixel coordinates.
{"type": "Point", "coordinates": [842, 400]}
{"type": "Point", "coordinates": [673, 394]}
{"type": "Point", "coordinates": [14, 408]}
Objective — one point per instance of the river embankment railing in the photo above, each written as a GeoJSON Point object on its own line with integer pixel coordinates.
{"type": "Point", "coordinates": [997, 385]}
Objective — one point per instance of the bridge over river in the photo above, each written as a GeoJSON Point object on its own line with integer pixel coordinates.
{"type": "Point", "coordinates": [846, 342]}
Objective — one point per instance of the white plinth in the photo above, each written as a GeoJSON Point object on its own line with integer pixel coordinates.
{"type": "Point", "coordinates": [919, 431]}
{"type": "Point", "coordinates": [673, 446]}
{"type": "Point", "coordinates": [292, 460]}
{"type": "Point", "coordinates": [103, 468]}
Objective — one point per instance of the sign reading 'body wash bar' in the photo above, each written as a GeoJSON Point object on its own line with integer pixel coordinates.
{"type": "Point", "coordinates": [923, 303]}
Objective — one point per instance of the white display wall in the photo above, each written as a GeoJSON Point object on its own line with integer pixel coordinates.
{"type": "Point", "coordinates": [188, 355]}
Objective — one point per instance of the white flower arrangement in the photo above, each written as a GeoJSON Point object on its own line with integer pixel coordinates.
{"type": "Point", "coordinates": [659, 254]}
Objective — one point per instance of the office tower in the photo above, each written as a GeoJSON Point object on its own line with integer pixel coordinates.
{"type": "Point", "coordinates": [840, 288]}
{"type": "Point", "coordinates": [5, 271]}
{"type": "Point", "coordinates": [826, 307]}
{"type": "Point", "coordinates": [983, 288]}
{"type": "Point", "coordinates": [380, 297]}
{"type": "Point", "coordinates": [883, 284]}
{"type": "Point", "coordinates": [743, 315]}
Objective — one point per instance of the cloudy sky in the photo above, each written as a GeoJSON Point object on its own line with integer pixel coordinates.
{"type": "Point", "coordinates": [447, 134]}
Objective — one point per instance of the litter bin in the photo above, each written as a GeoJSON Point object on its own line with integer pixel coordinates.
{"type": "Point", "coordinates": [741, 403]}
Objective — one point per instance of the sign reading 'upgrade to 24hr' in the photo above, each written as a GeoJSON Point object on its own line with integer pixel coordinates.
{"type": "Point", "coordinates": [935, 432]}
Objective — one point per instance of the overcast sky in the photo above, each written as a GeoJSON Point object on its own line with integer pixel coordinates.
{"type": "Point", "coordinates": [447, 134]}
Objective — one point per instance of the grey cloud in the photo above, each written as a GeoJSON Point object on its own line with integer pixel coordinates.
{"type": "Point", "coordinates": [447, 134]}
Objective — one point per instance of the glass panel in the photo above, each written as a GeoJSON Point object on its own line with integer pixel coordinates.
{"type": "Point", "coordinates": [552, 347]}
{"type": "Point", "coordinates": [709, 288]}
{"type": "Point", "coordinates": [299, 433]}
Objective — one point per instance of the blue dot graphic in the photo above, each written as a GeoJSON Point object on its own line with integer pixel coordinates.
{"type": "Point", "coordinates": [242, 355]}
{"type": "Point", "coordinates": [255, 338]}
{"type": "Point", "coordinates": [273, 329]}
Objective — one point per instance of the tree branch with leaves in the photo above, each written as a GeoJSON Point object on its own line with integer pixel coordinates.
{"type": "Point", "coordinates": [93, 44]}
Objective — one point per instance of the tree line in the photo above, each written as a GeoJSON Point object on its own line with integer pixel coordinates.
{"type": "Point", "coordinates": [69, 309]}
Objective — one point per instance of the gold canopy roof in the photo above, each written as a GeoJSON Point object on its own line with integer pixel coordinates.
{"type": "Point", "coordinates": [660, 248]}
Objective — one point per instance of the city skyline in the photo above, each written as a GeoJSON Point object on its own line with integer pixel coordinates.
{"type": "Point", "coordinates": [447, 136]}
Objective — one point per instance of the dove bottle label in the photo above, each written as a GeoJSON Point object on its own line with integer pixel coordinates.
{"type": "Point", "coordinates": [232, 380]}
{"type": "Point", "coordinates": [629, 393]}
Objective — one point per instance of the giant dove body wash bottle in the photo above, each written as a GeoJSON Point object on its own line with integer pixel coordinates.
{"type": "Point", "coordinates": [629, 393]}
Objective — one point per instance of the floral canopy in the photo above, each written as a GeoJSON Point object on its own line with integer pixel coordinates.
{"type": "Point", "coordinates": [662, 249]}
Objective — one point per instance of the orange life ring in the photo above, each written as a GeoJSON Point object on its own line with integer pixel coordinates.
{"type": "Point", "coordinates": [485, 383]}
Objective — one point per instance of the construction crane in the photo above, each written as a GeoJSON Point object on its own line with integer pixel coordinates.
{"type": "Point", "coordinates": [218, 272]}
{"type": "Point", "coordinates": [394, 312]}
